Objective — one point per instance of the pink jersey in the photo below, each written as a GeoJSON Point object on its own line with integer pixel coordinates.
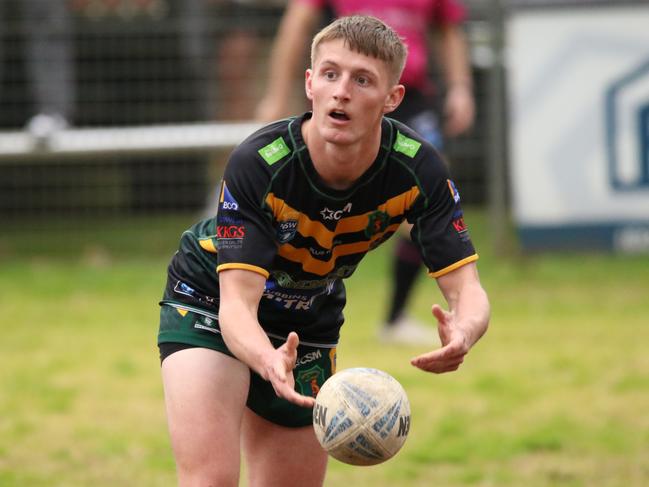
{"type": "Point", "coordinates": [412, 19]}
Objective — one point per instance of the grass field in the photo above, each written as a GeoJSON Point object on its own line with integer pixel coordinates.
{"type": "Point", "coordinates": [556, 394]}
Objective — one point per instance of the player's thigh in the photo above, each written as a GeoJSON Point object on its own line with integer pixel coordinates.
{"type": "Point", "coordinates": [205, 396]}
{"type": "Point", "coordinates": [280, 456]}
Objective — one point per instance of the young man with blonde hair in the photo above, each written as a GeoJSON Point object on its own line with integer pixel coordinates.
{"type": "Point", "coordinates": [252, 310]}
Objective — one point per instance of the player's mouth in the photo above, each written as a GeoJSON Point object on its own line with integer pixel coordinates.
{"type": "Point", "coordinates": [339, 115]}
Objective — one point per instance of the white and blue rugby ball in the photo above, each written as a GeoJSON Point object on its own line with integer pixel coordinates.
{"type": "Point", "coordinates": [361, 416]}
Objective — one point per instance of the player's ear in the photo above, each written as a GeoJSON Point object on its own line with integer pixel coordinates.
{"type": "Point", "coordinates": [394, 98]}
{"type": "Point", "coordinates": [308, 77]}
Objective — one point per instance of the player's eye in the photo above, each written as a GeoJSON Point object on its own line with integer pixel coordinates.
{"type": "Point", "coordinates": [363, 81]}
{"type": "Point", "coordinates": [330, 75]}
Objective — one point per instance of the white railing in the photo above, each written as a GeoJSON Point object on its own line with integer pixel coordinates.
{"type": "Point", "coordinates": [72, 143]}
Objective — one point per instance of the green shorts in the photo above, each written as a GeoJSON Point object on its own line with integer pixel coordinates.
{"type": "Point", "coordinates": [314, 364]}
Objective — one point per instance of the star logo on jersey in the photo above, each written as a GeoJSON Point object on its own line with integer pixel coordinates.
{"type": "Point", "coordinates": [328, 214]}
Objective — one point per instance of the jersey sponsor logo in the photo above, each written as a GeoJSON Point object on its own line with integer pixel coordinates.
{"type": "Point", "coordinates": [454, 192]}
{"type": "Point", "coordinates": [229, 220]}
{"type": "Point", "coordinates": [186, 290]}
{"type": "Point", "coordinates": [230, 236]}
{"type": "Point", "coordinates": [285, 280]}
{"type": "Point", "coordinates": [226, 200]}
{"type": "Point", "coordinates": [319, 252]}
{"type": "Point", "coordinates": [309, 380]}
{"type": "Point", "coordinates": [182, 288]}
{"type": "Point", "coordinates": [406, 145]}
{"type": "Point", "coordinates": [286, 231]}
{"type": "Point", "coordinates": [294, 302]}
{"type": "Point", "coordinates": [274, 151]}
{"type": "Point", "coordinates": [309, 357]}
{"type": "Point", "coordinates": [207, 323]}
{"type": "Point", "coordinates": [230, 231]}
{"type": "Point", "coordinates": [377, 222]}
{"type": "Point", "coordinates": [285, 299]}
{"type": "Point", "coordinates": [328, 214]}
{"type": "Point", "coordinates": [460, 226]}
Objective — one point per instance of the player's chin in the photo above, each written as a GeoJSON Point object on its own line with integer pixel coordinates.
{"type": "Point", "coordinates": [340, 135]}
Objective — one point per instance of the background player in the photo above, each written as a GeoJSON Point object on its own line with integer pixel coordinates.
{"type": "Point", "coordinates": [302, 201]}
{"type": "Point", "coordinates": [423, 101]}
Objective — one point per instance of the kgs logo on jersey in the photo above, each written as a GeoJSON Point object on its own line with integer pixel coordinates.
{"type": "Point", "coordinates": [460, 226]}
{"type": "Point", "coordinates": [230, 231]}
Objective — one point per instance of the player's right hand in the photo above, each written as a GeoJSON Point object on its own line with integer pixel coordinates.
{"type": "Point", "coordinates": [280, 373]}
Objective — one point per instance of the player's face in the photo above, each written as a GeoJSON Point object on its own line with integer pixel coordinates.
{"type": "Point", "coordinates": [349, 93]}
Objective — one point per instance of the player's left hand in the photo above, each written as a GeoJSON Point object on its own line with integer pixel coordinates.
{"type": "Point", "coordinates": [455, 345]}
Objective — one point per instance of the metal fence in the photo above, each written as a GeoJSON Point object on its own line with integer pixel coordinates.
{"type": "Point", "coordinates": [153, 94]}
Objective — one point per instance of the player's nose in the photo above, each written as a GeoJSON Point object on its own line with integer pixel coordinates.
{"type": "Point", "coordinates": [342, 89]}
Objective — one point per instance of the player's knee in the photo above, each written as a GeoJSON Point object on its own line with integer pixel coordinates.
{"type": "Point", "coordinates": [206, 472]}
{"type": "Point", "coordinates": [207, 467]}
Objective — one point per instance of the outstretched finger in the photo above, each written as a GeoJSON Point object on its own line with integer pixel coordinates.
{"type": "Point", "coordinates": [300, 400]}
{"type": "Point", "coordinates": [439, 313]}
{"type": "Point", "coordinates": [284, 390]}
{"type": "Point", "coordinates": [292, 342]}
{"type": "Point", "coordinates": [440, 368]}
{"type": "Point", "coordinates": [450, 351]}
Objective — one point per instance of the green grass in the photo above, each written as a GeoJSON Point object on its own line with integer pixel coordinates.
{"type": "Point", "coordinates": [556, 394]}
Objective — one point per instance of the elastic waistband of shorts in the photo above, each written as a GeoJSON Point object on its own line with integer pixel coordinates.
{"type": "Point", "coordinates": [305, 342]}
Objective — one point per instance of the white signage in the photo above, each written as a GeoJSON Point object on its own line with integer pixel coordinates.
{"type": "Point", "coordinates": [578, 83]}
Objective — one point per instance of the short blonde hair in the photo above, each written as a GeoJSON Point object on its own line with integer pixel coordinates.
{"type": "Point", "coordinates": [369, 36]}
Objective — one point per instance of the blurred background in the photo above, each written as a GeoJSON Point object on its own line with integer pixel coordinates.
{"type": "Point", "coordinates": [129, 107]}
{"type": "Point", "coordinates": [176, 65]}
{"type": "Point", "coordinates": [116, 120]}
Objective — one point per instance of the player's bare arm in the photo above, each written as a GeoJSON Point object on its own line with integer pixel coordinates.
{"type": "Point", "coordinates": [241, 291]}
{"type": "Point", "coordinates": [462, 325]}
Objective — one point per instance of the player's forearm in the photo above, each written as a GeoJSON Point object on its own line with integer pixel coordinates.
{"type": "Point", "coordinates": [472, 310]}
{"type": "Point", "coordinates": [244, 336]}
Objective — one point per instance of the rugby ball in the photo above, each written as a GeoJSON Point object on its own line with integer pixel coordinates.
{"type": "Point", "coordinates": [361, 416]}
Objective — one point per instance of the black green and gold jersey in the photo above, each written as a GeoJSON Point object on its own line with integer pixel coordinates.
{"type": "Point", "coordinates": [277, 218]}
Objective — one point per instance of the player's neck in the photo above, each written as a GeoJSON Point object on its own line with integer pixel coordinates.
{"type": "Point", "coordinates": [338, 165]}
